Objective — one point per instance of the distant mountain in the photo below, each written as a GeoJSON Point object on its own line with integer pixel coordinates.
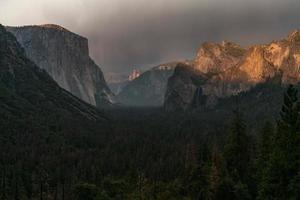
{"type": "Point", "coordinates": [149, 88]}
{"type": "Point", "coordinates": [134, 74]}
{"type": "Point", "coordinates": [27, 91]}
{"type": "Point", "coordinates": [117, 81]}
{"type": "Point", "coordinates": [223, 70]}
{"type": "Point", "coordinates": [65, 57]}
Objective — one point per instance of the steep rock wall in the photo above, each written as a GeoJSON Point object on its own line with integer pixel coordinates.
{"type": "Point", "coordinates": [65, 56]}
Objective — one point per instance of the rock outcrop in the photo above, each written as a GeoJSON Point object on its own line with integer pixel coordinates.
{"type": "Point", "coordinates": [216, 58]}
{"type": "Point", "coordinates": [65, 57]}
{"type": "Point", "coordinates": [182, 86]}
{"type": "Point", "coordinates": [149, 88]}
{"type": "Point", "coordinates": [229, 69]}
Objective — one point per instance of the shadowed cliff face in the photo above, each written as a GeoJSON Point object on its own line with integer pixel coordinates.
{"type": "Point", "coordinates": [149, 88]}
{"type": "Point", "coordinates": [65, 56]}
{"type": "Point", "coordinates": [28, 90]}
{"type": "Point", "coordinates": [229, 69]}
{"type": "Point", "coordinates": [182, 86]}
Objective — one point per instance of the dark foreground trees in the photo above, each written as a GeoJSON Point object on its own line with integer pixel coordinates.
{"type": "Point", "coordinates": [280, 161]}
{"type": "Point", "coordinates": [151, 158]}
{"type": "Point", "coordinates": [237, 159]}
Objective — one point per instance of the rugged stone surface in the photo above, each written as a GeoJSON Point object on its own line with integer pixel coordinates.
{"type": "Point", "coordinates": [215, 58]}
{"type": "Point", "coordinates": [229, 72]}
{"type": "Point", "coordinates": [65, 57]}
{"type": "Point", "coordinates": [27, 90]}
{"type": "Point", "coordinates": [182, 86]}
{"type": "Point", "coordinates": [149, 88]}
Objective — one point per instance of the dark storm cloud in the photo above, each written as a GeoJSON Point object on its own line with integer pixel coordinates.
{"type": "Point", "coordinates": [142, 40]}
{"type": "Point", "coordinates": [126, 34]}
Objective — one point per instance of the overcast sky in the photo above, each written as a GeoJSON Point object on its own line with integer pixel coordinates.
{"type": "Point", "coordinates": [127, 34]}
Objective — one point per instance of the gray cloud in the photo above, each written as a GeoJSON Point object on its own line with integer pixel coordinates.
{"type": "Point", "coordinates": [126, 34]}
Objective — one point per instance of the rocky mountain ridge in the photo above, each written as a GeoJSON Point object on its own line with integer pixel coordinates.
{"type": "Point", "coordinates": [227, 69]}
{"type": "Point", "coordinates": [64, 55]}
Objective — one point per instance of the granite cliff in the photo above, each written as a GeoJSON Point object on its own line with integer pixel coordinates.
{"type": "Point", "coordinates": [65, 57]}
{"type": "Point", "coordinates": [27, 91]}
{"type": "Point", "coordinates": [227, 69]}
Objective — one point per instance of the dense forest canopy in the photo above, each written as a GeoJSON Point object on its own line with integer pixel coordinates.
{"type": "Point", "coordinates": [144, 153]}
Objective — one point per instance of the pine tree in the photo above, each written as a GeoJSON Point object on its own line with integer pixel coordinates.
{"type": "Point", "coordinates": [290, 110]}
{"type": "Point", "coordinates": [282, 167]}
{"type": "Point", "coordinates": [237, 158]}
{"type": "Point", "coordinates": [236, 150]}
{"type": "Point", "coordinates": [265, 141]}
{"type": "Point", "coordinates": [215, 172]}
{"type": "Point", "coordinates": [265, 147]}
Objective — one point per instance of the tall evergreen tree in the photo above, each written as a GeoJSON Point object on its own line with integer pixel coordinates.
{"type": "Point", "coordinates": [282, 167]}
{"type": "Point", "coordinates": [265, 140]}
{"type": "Point", "coordinates": [236, 150]}
{"type": "Point", "coordinates": [216, 173]}
{"type": "Point", "coordinates": [264, 147]}
{"type": "Point", "coordinates": [237, 158]}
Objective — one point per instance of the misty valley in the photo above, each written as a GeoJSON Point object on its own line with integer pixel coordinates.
{"type": "Point", "coordinates": [222, 125]}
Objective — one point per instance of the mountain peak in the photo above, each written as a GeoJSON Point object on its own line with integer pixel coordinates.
{"type": "Point", "coordinates": [227, 43]}
{"type": "Point", "coordinates": [48, 27]}
{"type": "Point", "coordinates": [217, 57]}
{"type": "Point", "coordinates": [294, 36]}
{"type": "Point", "coordinates": [53, 26]}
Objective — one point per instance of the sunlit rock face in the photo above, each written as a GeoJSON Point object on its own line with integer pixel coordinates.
{"type": "Point", "coordinates": [65, 56]}
{"type": "Point", "coordinates": [149, 88]}
{"type": "Point", "coordinates": [229, 69]}
{"type": "Point", "coordinates": [214, 72]}
{"type": "Point", "coordinates": [215, 58]}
